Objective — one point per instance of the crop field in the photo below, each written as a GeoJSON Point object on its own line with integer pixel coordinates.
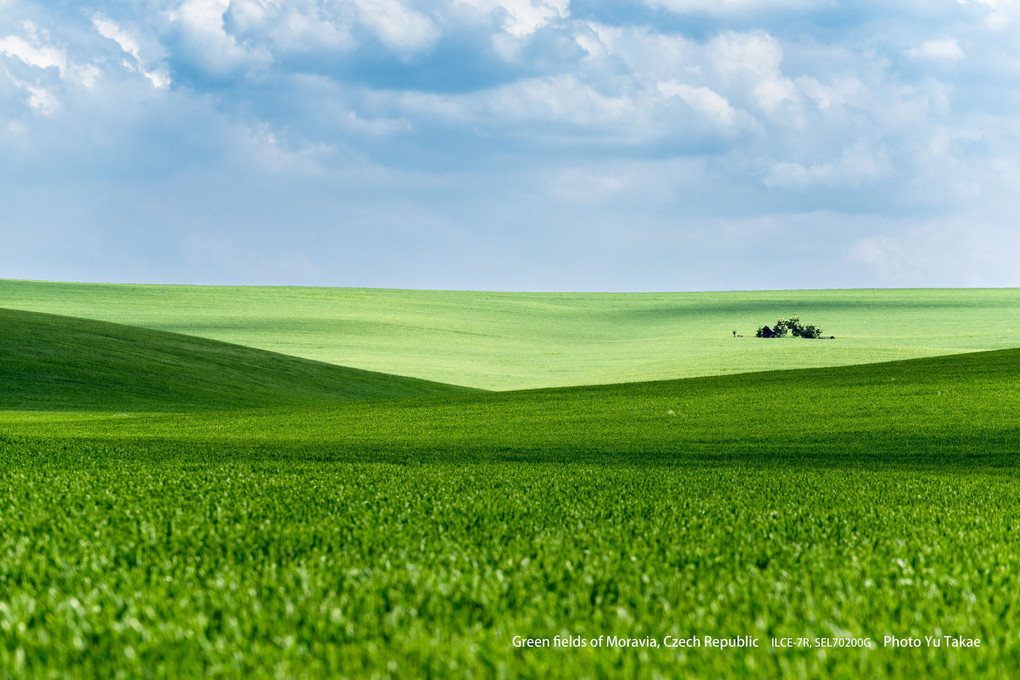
{"type": "Point", "coordinates": [172, 506]}
{"type": "Point", "coordinates": [502, 341]}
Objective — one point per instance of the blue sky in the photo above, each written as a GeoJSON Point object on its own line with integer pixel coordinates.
{"type": "Point", "coordinates": [512, 144]}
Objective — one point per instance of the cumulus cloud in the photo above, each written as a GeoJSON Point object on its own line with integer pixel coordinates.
{"type": "Point", "coordinates": [42, 100]}
{"type": "Point", "coordinates": [754, 59]}
{"type": "Point", "coordinates": [129, 44]}
{"type": "Point", "coordinates": [397, 26]}
{"type": "Point", "coordinates": [854, 166]}
{"type": "Point", "coordinates": [708, 103]}
{"type": "Point", "coordinates": [300, 26]}
{"type": "Point", "coordinates": [646, 53]}
{"type": "Point", "coordinates": [259, 144]}
{"type": "Point", "coordinates": [534, 111]}
{"type": "Point", "coordinates": [944, 49]}
{"type": "Point", "coordinates": [837, 94]}
{"type": "Point", "coordinates": [524, 17]}
{"type": "Point", "coordinates": [205, 37]}
{"type": "Point", "coordinates": [999, 14]}
{"type": "Point", "coordinates": [562, 99]}
{"type": "Point", "coordinates": [32, 50]}
{"type": "Point", "coordinates": [726, 6]}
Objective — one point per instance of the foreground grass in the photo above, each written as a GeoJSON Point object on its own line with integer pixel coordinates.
{"type": "Point", "coordinates": [416, 538]}
{"type": "Point", "coordinates": [164, 568]}
{"type": "Point", "coordinates": [524, 340]}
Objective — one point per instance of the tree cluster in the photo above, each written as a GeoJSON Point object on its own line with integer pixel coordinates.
{"type": "Point", "coordinates": [791, 326]}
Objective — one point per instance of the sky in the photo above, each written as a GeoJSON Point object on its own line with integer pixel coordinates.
{"type": "Point", "coordinates": [560, 145]}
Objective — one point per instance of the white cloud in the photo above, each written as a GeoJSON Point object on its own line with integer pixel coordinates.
{"type": "Point", "coordinates": [648, 54]}
{"type": "Point", "coordinates": [110, 29]}
{"type": "Point", "coordinates": [564, 99]}
{"type": "Point", "coordinates": [726, 6]}
{"type": "Point", "coordinates": [841, 92]}
{"type": "Point", "coordinates": [945, 49]}
{"type": "Point", "coordinates": [32, 52]}
{"type": "Point", "coordinates": [201, 22]}
{"type": "Point", "coordinates": [561, 98]}
{"type": "Point", "coordinates": [524, 17]}
{"type": "Point", "coordinates": [855, 165]}
{"type": "Point", "coordinates": [705, 101]}
{"type": "Point", "coordinates": [159, 79]}
{"type": "Point", "coordinates": [754, 59]}
{"type": "Point", "coordinates": [129, 44]}
{"type": "Point", "coordinates": [42, 100]}
{"type": "Point", "coordinates": [397, 26]}
{"type": "Point", "coordinates": [293, 26]}
{"type": "Point", "coordinates": [783, 120]}
{"type": "Point", "coordinates": [88, 74]}
{"type": "Point", "coordinates": [999, 13]}
{"type": "Point", "coordinates": [257, 143]}
{"type": "Point", "coordinates": [589, 41]}
{"type": "Point", "coordinates": [372, 127]}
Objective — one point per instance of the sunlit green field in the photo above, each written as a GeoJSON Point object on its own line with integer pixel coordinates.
{"type": "Point", "coordinates": [124, 559]}
{"type": "Point", "coordinates": [523, 340]}
{"type": "Point", "coordinates": [155, 523]}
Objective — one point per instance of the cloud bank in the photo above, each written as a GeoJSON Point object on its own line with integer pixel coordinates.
{"type": "Point", "coordinates": [511, 144]}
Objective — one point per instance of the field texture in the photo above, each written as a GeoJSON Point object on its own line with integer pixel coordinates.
{"type": "Point", "coordinates": [416, 538]}
{"type": "Point", "coordinates": [523, 340]}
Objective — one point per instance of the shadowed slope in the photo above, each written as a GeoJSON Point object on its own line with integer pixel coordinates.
{"type": "Point", "coordinates": [52, 362]}
{"type": "Point", "coordinates": [960, 409]}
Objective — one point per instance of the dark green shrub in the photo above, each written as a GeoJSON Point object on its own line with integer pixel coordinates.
{"type": "Point", "coordinates": [789, 326]}
{"type": "Point", "coordinates": [766, 332]}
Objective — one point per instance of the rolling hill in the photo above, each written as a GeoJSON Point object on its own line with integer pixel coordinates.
{"type": "Point", "coordinates": [294, 531]}
{"type": "Point", "coordinates": [931, 411]}
{"type": "Point", "coordinates": [60, 363]}
{"type": "Point", "coordinates": [528, 340]}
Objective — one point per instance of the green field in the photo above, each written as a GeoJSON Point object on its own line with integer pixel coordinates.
{"type": "Point", "coordinates": [59, 363]}
{"type": "Point", "coordinates": [526, 340]}
{"type": "Point", "coordinates": [365, 525]}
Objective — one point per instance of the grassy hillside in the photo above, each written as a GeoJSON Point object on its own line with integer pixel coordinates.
{"type": "Point", "coordinates": [925, 411]}
{"type": "Point", "coordinates": [60, 363]}
{"type": "Point", "coordinates": [419, 537]}
{"type": "Point", "coordinates": [523, 340]}
{"type": "Point", "coordinates": [293, 532]}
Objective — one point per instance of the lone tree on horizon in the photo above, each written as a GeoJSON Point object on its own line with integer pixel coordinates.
{"type": "Point", "coordinates": [792, 326]}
